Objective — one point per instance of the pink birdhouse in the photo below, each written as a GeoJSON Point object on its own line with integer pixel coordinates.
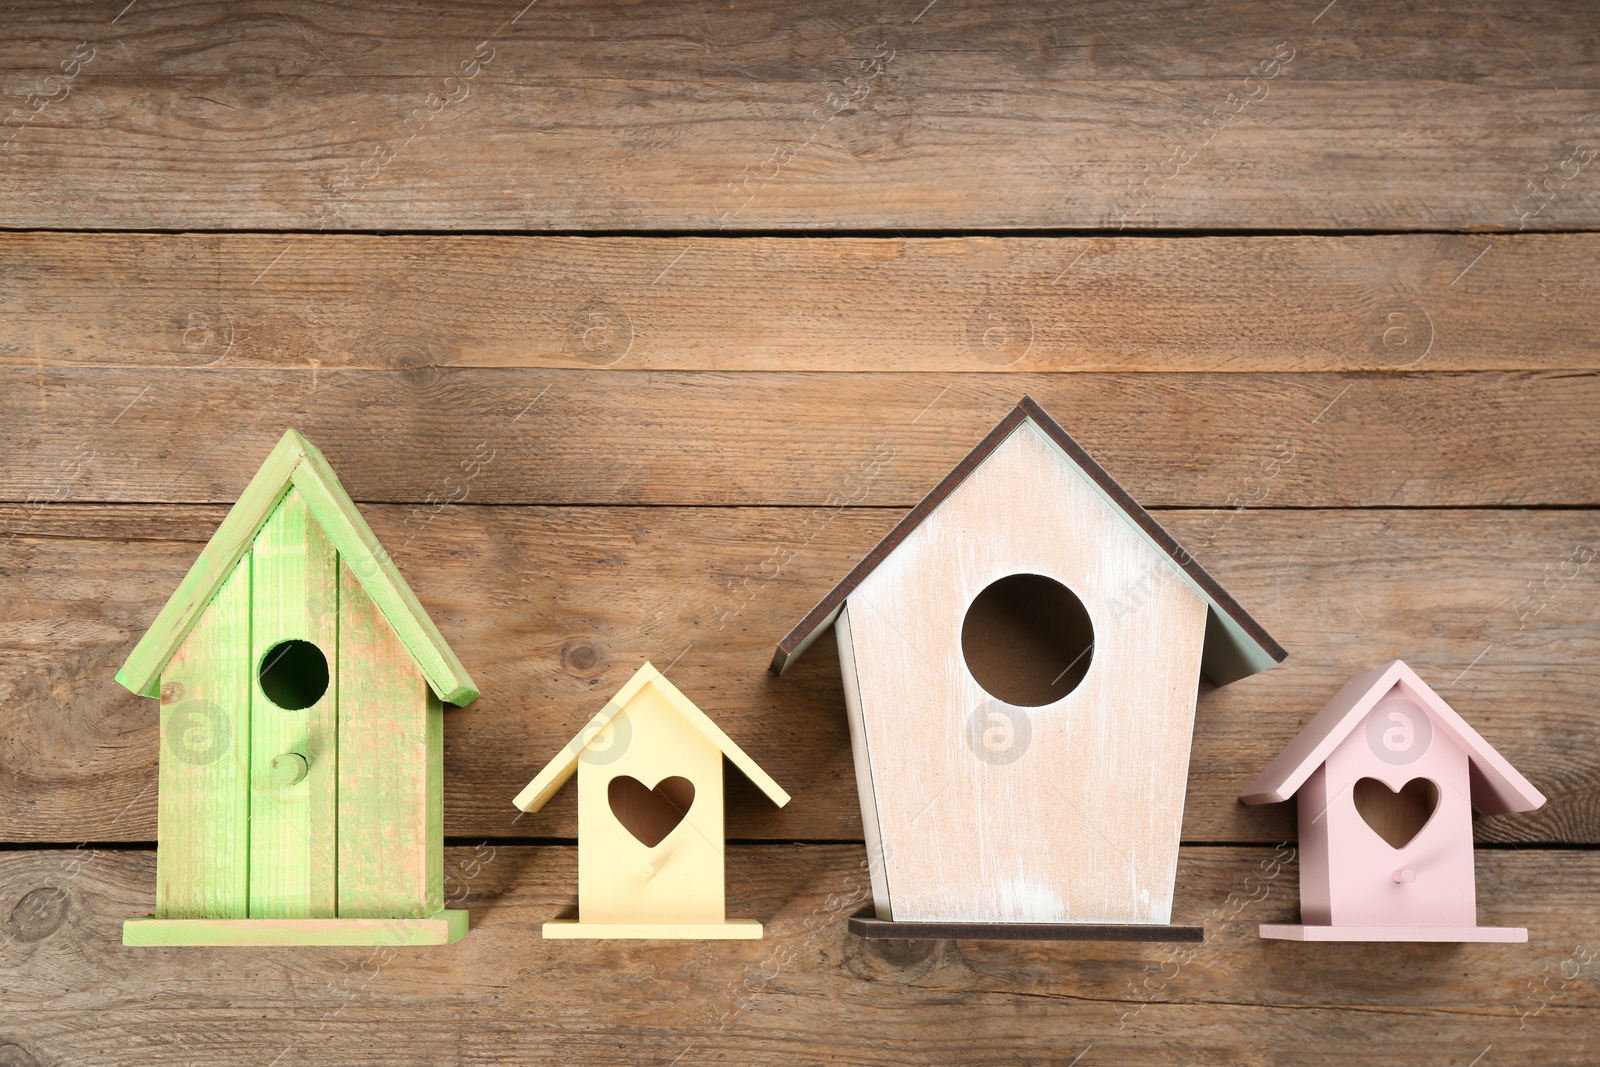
{"type": "Point", "coordinates": [1388, 775]}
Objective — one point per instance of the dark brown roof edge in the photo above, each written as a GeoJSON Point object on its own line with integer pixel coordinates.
{"type": "Point", "coordinates": [1027, 409]}
{"type": "Point", "coordinates": [913, 518]}
{"type": "Point", "coordinates": [1158, 533]}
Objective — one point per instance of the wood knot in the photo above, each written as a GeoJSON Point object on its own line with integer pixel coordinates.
{"type": "Point", "coordinates": [581, 659]}
{"type": "Point", "coordinates": [890, 959]}
{"type": "Point", "coordinates": [39, 914]}
{"type": "Point", "coordinates": [14, 1055]}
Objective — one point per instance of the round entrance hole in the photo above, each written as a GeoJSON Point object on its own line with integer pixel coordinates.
{"type": "Point", "coordinates": [1027, 640]}
{"type": "Point", "coordinates": [294, 674]}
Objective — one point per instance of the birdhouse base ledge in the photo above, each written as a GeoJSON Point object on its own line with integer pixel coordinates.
{"type": "Point", "coordinates": [730, 930]}
{"type": "Point", "coordinates": [441, 928]}
{"type": "Point", "coordinates": [1297, 932]}
{"type": "Point", "coordinates": [871, 927]}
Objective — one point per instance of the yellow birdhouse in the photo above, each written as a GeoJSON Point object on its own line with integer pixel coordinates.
{"type": "Point", "coordinates": [650, 838]}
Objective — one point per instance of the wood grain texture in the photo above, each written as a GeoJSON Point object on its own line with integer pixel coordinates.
{"type": "Point", "coordinates": [1238, 645]}
{"type": "Point", "coordinates": [586, 116]}
{"type": "Point", "coordinates": [441, 928]}
{"type": "Point", "coordinates": [504, 995]}
{"type": "Point", "coordinates": [294, 584]}
{"type": "Point", "coordinates": [576, 930]}
{"type": "Point", "coordinates": [1445, 362]}
{"type": "Point", "coordinates": [812, 440]}
{"type": "Point", "coordinates": [877, 929]}
{"type": "Point", "coordinates": [553, 608]}
{"type": "Point", "coordinates": [966, 304]}
{"type": "Point", "coordinates": [861, 764]}
{"type": "Point", "coordinates": [1065, 812]}
{"type": "Point", "coordinates": [391, 755]}
{"type": "Point", "coordinates": [203, 796]}
{"type": "Point", "coordinates": [204, 581]}
{"type": "Point", "coordinates": [343, 524]}
{"type": "Point", "coordinates": [296, 463]}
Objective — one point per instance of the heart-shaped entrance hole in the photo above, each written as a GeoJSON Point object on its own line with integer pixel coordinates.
{"type": "Point", "coordinates": [650, 814]}
{"type": "Point", "coordinates": [1396, 817]}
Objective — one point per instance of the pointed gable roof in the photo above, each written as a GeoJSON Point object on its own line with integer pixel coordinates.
{"type": "Point", "coordinates": [1497, 787]}
{"type": "Point", "coordinates": [1236, 645]}
{"type": "Point", "coordinates": [295, 462]}
{"type": "Point", "coordinates": [549, 781]}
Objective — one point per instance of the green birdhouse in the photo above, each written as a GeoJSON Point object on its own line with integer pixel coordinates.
{"type": "Point", "coordinates": [302, 694]}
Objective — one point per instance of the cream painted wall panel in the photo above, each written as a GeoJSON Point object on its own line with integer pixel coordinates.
{"type": "Point", "coordinates": [1082, 824]}
{"type": "Point", "coordinates": [620, 879]}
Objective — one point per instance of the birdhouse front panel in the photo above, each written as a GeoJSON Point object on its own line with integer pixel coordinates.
{"type": "Point", "coordinates": [294, 643]}
{"type": "Point", "coordinates": [391, 769]}
{"type": "Point", "coordinates": [203, 807]}
{"type": "Point", "coordinates": [1387, 777]}
{"type": "Point", "coordinates": [1026, 667]}
{"type": "Point", "coordinates": [301, 768]}
{"type": "Point", "coordinates": [1399, 823]}
{"type": "Point", "coordinates": [302, 692]}
{"type": "Point", "coordinates": [650, 819]}
{"type": "Point", "coordinates": [650, 846]}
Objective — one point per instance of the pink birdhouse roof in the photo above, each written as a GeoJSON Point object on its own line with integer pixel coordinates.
{"type": "Point", "coordinates": [1497, 787]}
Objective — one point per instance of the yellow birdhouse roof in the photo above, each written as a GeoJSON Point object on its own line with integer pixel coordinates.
{"type": "Point", "coordinates": [549, 781]}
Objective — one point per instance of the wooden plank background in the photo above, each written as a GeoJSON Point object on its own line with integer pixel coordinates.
{"type": "Point", "coordinates": [693, 115]}
{"type": "Point", "coordinates": [630, 327]}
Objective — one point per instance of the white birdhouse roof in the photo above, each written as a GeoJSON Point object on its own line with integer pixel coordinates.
{"type": "Point", "coordinates": [549, 781]}
{"type": "Point", "coordinates": [1497, 787]}
{"type": "Point", "coordinates": [1236, 645]}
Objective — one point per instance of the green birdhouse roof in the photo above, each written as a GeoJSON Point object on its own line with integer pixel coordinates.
{"type": "Point", "coordinates": [296, 463]}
